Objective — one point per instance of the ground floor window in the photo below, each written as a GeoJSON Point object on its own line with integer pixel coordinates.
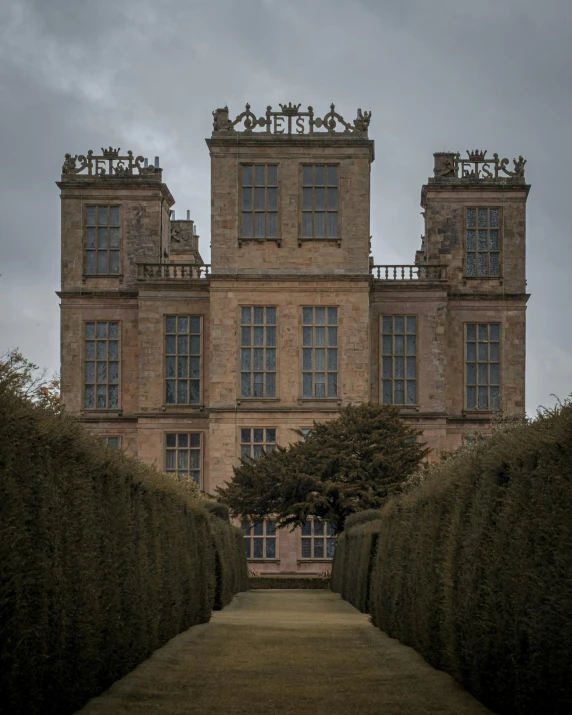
{"type": "Point", "coordinates": [183, 455]}
{"type": "Point", "coordinates": [317, 540]}
{"type": "Point", "coordinates": [260, 539]}
{"type": "Point", "coordinates": [113, 442]}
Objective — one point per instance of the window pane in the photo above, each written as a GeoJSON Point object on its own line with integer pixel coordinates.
{"type": "Point", "coordinates": [483, 217]}
{"type": "Point", "coordinates": [245, 336]}
{"type": "Point", "coordinates": [245, 359]}
{"type": "Point", "coordinates": [307, 316]}
{"type": "Point", "coordinates": [259, 359]}
{"type": "Point", "coordinates": [411, 325]}
{"type": "Point", "coordinates": [307, 337]}
{"type": "Point", "coordinates": [471, 264]}
{"type": "Point", "coordinates": [320, 316]}
{"type": "Point", "coordinates": [318, 548]}
{"type": "Point", "coordinates": [247, 199]}
{"type": "Point", "coordinates": [333, 337]}
{"type": "Point", "coordinates": [387, 367]}
{"type": "Point", "coordinates": [411, 342]}
{"type": "Point", "coordinates": [411, 392]}
{"type": "Point", "coordinates": [102, 262]}
{"type": "Point", "coordinates": [332, 225]}
{"type": "Point", "coordinates": [494, 352]}
{"type": "Point", "coordinates": [170, 392]}
{"type": "Point", "coordinates": [259, 195]}
{"type": "Point", "coordinates": [471, 332]}
{"type": "Point", "coordinates": [332, 384]}
{"type": "Point", "coordinates": [471, 241]}
{"type": "Point", "coordinates": [320, 359]}
{"type": "Point", "coordinates": [471, 398]}
{"type": "Point", "coordinates": [89, 396]}
{"type": "Point", "coordinates": [102, 237]}
{"type": "Point", "coordinates": [271, 384]}
{"type": "Point", "coordinates": [471, 373]}
{"type": "Point", "coordinates": [114, 215]}
{"type": "Point", "coordinates": [272, 174]}
{"type": "Point", "coordinates": [270, 548]}
{"type": "Point", "coordinates": [272, 231]}
{"type": "Point", "coordinates": [399, 324]}
{"type": "Point", "coordinates": [319, 225]}
{"type": "Point", "coordinates": [271, 316]}
{"type": "Point", "coordinates": [182, 367]}
{"type": "Point", "coordinates": [307, 225]}
{"type": "Point", "coordinates": [195, 345]}
{"type": "Point", "coordinates": [272, 198]}
{"type": "Point", "coordinates": [482, 243]}
{"type": "Point", "coordinates": [90, 215]}
{"type": "Point", "coordinates": [482, 266]}
{"type": "Point", "coordinates": [471, 352]}
{"type": "Point", "coordinates": [494, 331]}
{"type": "Point", "coordinates": [245, 384]}
{"type": "Point", "coordinates": [195, 324]}
{"type": "Point", "coordinates": [332, 175]}
{"type": "Point", "coordinates": [399, 367]}
{"type": "Point", "coordinates": [471, 217]}
{"type": "Point", "coordinates": [171, 325]}
{"type": "Point", "coordinates": [307, 176]}
{"type": "Point", "coordinates": [259, 336]}
{"type": "Point", "coordinates": [90, 238]}
{"type": "Point", "coordinates": [102, 215]}
{"type": "Point", "coordinates": [247, 175]}
{"type": "Point", "coordinates": [483, 398]}
{"type": "Point", "coordinates": [318, 528]}
{"type": "Point", "coordinates": [114, 237]}
{"type": "Point", "coordinates": [332, 359]}
{"type": "Point", "coordinates": [307, 199]}
{"type": "Point", "coordinates": [320, 175]}
{"type": "Point", "coordinates": [195, 393]}
{"type": "Point", "coordinates": [271, 435]}
{"type": "Point", "coordinates": [195, 367]}
{"type": "Point", "coordinates": [387, 345]}
{"type": "Point", "coordinates": [387, 325]}
{"type": "Point", "coordinates": [320, 384]}
{"type": "Point", "coordinates": [306, 548]}
{"type": "Point", "coordinates": [494, 217]}
{"type": "Point", "coordinates": [260, 178]}
{"type": "Point", "coordinates": [319, 199]}
{"type": "Point", "coordinates": [182, 344]}
{"type": "Point", "coordinates": [307, 385]}
{"type": "Point", "coordinates": [320, 337]}
{"type": "Point", "coordinates": [494, 264]}
{"type": "Point", "coordinates": [271, 337]}
{"type": "Point", "coordinates": [114, 261]}
{"type": "Point", "coordinates": [271, 360]}
{"type": "Point", "coordinates": [399, 344]}
{"type": "Point", "coordinates": [494, 397]}
{"type": "Point", "coordinates": [182, 394]}
{"type": "Point", "coordinates": [332, 316]}
{"type": "Point", "coordinates": [331, 548]}
{"type": "Point", "coordinates": [494, 240]}
{"type": "Point", "coordinates": [258, 546]}
{"type": "Point", "coordinates": [483, 332]}
{"type": "Point", "coordinates": [259, 225]}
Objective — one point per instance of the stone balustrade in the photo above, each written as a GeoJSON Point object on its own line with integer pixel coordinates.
{"type": "Point", "coordinates": [172, 271]}
{"type": "Point", "coordinates": [409, 272]}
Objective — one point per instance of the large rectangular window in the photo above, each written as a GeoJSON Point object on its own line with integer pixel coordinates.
{"type": "Point", "coordinates": [483, 242]}
{"type": "Point", "coordinates": [482, 366]}
{"type": "Point", "coordinates": [183, 359]}
{"type": "Point", "coordinates": [258, 352]}
{"type": "Point", "coordinates": [259, 201]}
{"type": "Point", "coordinates": [183, 455]}
{"type": "Point", "coordinates": [320, 201]}
{"type": "Point", "coordinates": [399, 359]}
{"type": "Point", "coordinates": [317, 540]}
{"type": "Point", "coordinates": [260, 539]}
{"type": "Point", "coordinates": [256, 440]}
{"type": "Point", "coordinates": [102, 240]}
{"type": "Point", "coordinates": [101, 366]}
{"type": "Point", "coordinates": [320, 352]}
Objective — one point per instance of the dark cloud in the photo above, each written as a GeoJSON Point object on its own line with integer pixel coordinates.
{"type": "Point", "coordinates": [146, 75]}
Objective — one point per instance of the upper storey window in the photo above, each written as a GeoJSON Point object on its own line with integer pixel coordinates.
{"type": "Point", "coordinates": [102, 237]}
{"type": "Point", "coordinates": [320, 201]}
{"type": "Point", "coordinates": [183, 359]}
{"type": "Point", "coordinates": [259, 201]}
{"type": "Point", "coordinates": [101, 366]}
{"type": "Point", "coordinates": [483, 242]}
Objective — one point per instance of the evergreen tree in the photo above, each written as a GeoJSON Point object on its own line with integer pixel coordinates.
{"type": "Point", "coordinates": [346, 465]}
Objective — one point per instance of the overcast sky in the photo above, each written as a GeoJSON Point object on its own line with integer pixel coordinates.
{"type": "Point", "coordinates": [146, 74]}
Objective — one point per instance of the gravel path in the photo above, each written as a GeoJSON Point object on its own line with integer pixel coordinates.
{"type": "Point", "coordinates": [292, 652]}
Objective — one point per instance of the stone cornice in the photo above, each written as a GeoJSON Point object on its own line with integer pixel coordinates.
{"type": "Point", "coordinates": [79, 185]}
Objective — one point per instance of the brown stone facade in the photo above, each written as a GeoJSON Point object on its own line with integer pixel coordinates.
{"type": "Point", "coordinates": [145, 271]}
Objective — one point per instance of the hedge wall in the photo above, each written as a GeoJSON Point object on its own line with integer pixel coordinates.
{"type": "Point", "coordinates": [288, 581]}
{"type": "Point", "coordinates": [474, 568]}
{"type": "Point", "coordinates": [353, 557]}
{"type": "Point", "coordinates": [103, 560]}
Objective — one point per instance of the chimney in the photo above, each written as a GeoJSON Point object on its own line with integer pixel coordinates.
{"type": "Point", "coordinates": [188, 215]}
{"type": "Point", "coordinates": [156, 162]}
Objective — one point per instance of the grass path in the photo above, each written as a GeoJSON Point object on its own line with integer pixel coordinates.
{"type": "Point", "coordinates": [287, 652]}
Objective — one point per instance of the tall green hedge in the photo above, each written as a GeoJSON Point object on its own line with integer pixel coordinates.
{"type": "Point", "coordinates": [353, 559]}
{"type": "Point", "coordinates": [474, 568]}
{"type": "Point", "coordinates": [102, 560]}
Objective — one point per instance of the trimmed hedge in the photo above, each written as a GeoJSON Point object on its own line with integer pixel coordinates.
{"type": "Point", "coordinates": [262, 582]}
{"type": "Point", "coordinates": [103, 560]}
{"type": "Point", "coordinates": [353, 555]}
{"type": "Point", "coordinates": [474, 568]}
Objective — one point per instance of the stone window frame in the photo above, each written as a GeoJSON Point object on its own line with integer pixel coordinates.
{"type": "Point", "coordinates": [326, 347]}
{"type": "Point", "coordinates": [476, 380]}
{"type": "Point", "coordinates": [302, 185]}
{"type": "Point", "coordinates": [309, 537]}
{"type": "Point", "coordinates": [179, 448]}
{"type": "Point", "coordinates": [107, 440]}
{"type": "Point", "coordinates": [253, 211]}
{"type": "Point", "coordinates": [265, 347]}
{"type": "Point", "coordinates": [188, 355]}
{"type": "Point", "coordinates": [265, 533]}
{"type": "Point", "coordinates": [87, 248]}
{"type": "Point", "coordinates": [96, 382]}
{"type": "Point", "coordinates": [393, 355]}
{"type": "Point", "coordinates": [249, 445]}
{"type": "Point", "coordinates": [477, 228]}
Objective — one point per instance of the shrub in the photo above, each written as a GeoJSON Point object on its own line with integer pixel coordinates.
{"type": "Point", "coordinates": [103, 560]}
{"type": "Point", "coordinates": [474, 567]}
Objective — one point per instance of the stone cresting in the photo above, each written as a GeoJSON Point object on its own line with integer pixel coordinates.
{"type": "Point", "coordinates": [291, 121]}
{"type": "Point", "coordinates": [477, 166]}
{"type": "Point", "coordinates": [108, 163]}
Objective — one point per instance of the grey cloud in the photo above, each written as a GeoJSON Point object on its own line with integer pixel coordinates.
{"type": "Point", "coordinates": [146, 75]}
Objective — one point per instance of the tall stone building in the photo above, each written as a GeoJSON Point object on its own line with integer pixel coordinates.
{"type": "Point", "coordinates": [189, 366]}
